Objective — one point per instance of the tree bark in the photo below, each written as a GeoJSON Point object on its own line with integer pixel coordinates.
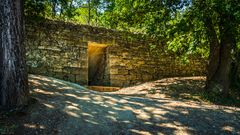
{"type": "Point", "coordinates": [235, 79]}
{"type": "Point", "coordinates": [89, 12]}
{"type": "Point", "coordinates": [13, 75]}
{"type": "Point", "coordinates": [214, 51]}
{"type": "Point", "coordinates": [219, 68]}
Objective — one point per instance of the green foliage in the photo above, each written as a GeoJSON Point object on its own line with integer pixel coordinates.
{"type": "Point", "coordinates": [79, 11]}
{"type": "Point", "coordinates": [36, 8]}
{"type": "Point", "coordinates": [179, 24]}
{"type": "Point", "coordinates": [167, 21]}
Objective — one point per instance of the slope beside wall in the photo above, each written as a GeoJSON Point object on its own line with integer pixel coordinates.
{"type": "Point", "coordinates": [60, 50]}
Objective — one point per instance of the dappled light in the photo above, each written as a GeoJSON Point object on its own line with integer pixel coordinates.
{"type": "Point", "coordinates": [176, 87]}
{"type": "Point", "coordinates": [119, 67]}
{"type": "Point", "coordinates": [75, 110]}
{"type": "Point", "coordinates": [34, 126]}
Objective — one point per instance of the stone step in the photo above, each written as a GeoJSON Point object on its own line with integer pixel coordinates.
{"type": "Point", "coordinates": [104, 88]}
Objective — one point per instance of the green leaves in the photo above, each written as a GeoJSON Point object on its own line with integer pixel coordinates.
{"type": "Point", "coordinates": [177, 23]}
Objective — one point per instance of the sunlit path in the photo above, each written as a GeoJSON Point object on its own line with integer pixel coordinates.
{"type": "Point", "coordinates": [67, 108]}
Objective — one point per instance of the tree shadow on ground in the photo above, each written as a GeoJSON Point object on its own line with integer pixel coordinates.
{"type": "Point", "coordinates": [194, 90]}
{"type": "Point", "coordinates": [66, 108]}
{"type": "Point", "coordinates": [181, 88]}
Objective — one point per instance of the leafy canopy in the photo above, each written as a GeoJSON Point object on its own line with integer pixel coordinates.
{"type": "Point", "coordinates": [179, 24]}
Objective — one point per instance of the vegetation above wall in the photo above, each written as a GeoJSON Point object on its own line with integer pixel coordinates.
{"type": "Point", "coordinates": [37, 104]}
{"type": "Point", "coordinates": [209, 27]}
{"type": "Point", "coordinates": [98, 56]}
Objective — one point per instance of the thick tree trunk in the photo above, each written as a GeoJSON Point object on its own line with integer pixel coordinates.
{"type": "Point", "coordinates": [221, 79]}
{"type": "Point", "coordinates": [235, 79]}
{"type": "Point", "coordinates": [219, 68]}
{"type": "Point", "coordinates": [13, 75]}
{"type": "Point", "coordinates": [214, 51]}
{"type": "Point", "coordinates": [235, 76]}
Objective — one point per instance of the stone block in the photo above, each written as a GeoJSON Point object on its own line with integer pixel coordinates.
{"type": "Point", "coordinates": [81, 79]}
{"type": "Point", "coordinates": [123, 71]}
{"type": "Point", "coordinates": [117, 83]}
{"type": "Point", "coordinates": [132, 77]}
{"type": "Point", "coordinates": [113, 71]}
{"type": "Point", "coordinates": [147, 77]}
{"type": "Point", "coordinates": [118, 77]}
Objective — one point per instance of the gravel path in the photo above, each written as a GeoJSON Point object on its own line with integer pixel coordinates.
{"type": "Point", "coordinates": [68, 109]}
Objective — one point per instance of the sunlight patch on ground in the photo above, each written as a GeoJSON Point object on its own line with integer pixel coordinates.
{"type": "Point", "coordinates": [92, 122]}
{"type": "Point", "coordinates": [36, 78]}
{"type": "Point", "coordinates": [48, 105]}
{"type": "Point", "coordinates": [71, 103]}
{"type": "Point", "coordinates": [34, 126]}
{"type": "Point", "coordinates": [85, 110]}
{"type": "Point", "coordinates": [43, 92]}
{"type": "Point", "coordinates": [144, 116]}
{"type": "Point", "coordinates": [35, 82]}
{"type": "Point", "coordinates": [72, 95]}
{"type": "Point", "coordinates": [73, 114]}
{"type": "Point", "coordinates": [86, 114]}
{"type": "Point", "coordinates": [178, 127]}
{"type": "Point", "coordinates": [228, 128]}
{"type": "Point", "coordinates": [65, 88]}
{"type": "Point", "coordinates": [72, 108]}
{"type": "Point", "coordinates": [140, 132]}
{"type": "Point", "coordinates": [113, 118]}
{"type": "Point", "coordinates": [110, 103]}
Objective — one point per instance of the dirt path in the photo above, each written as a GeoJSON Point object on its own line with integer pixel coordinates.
{"type": "Point", "coordinates": [67, 109]}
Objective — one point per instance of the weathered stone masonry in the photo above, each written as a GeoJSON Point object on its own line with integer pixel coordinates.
{"type": "Point", "coordinates": [115, 58]}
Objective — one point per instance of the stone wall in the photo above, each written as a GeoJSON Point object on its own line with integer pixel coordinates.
{"type": "Point", "coordinates": [60, 50]}
{"type": "Point", "coordinates": [57, 50]}
{"type": "Point", "coordinates": [134, 64]}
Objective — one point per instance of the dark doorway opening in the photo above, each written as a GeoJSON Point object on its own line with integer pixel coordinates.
{"type": "Point", "coordinates": [98, 69]}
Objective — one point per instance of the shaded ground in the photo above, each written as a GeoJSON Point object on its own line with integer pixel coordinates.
{"type": "Point", "coordinates": [180, 88]}
{"type": "Point", "coordinates": [66, 108]}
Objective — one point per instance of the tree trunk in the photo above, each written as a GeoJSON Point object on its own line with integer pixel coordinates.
{"type": "Point", "coordinates": [222, 75]}
{"type": "Point", "coordinates": [54, 8]}
{"type": "Point", "coordinates": [214, 51]}
{"type": "Point", "coordinates": [235, 80]}
{"type": "Point", "coordinates": [219, 68]}
{"type": "Point", "coordinates": [13, 75]}
{"type": "Point", "coordinates": [89, 12]}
